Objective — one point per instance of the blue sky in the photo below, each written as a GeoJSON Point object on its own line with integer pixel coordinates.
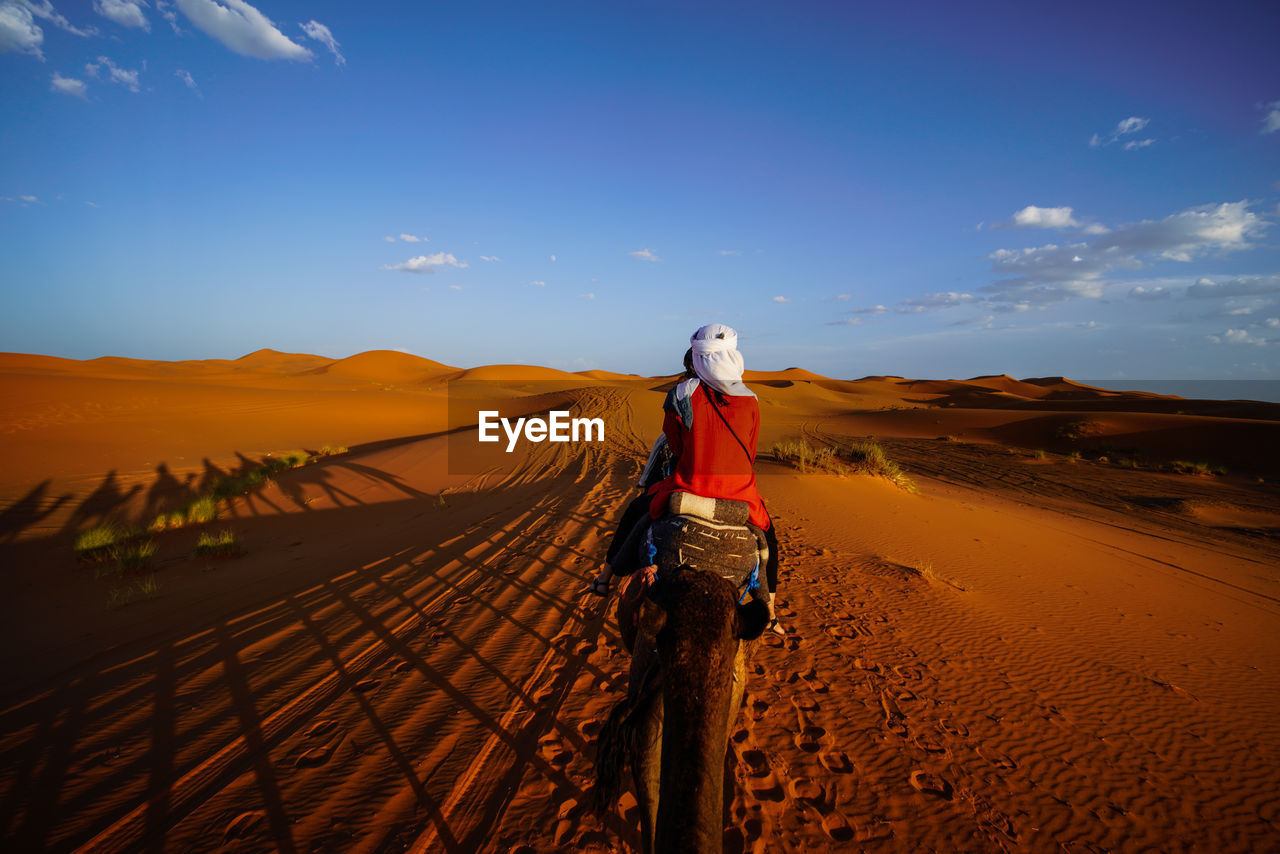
{"type": "Point", "coordinates": [936, 190]}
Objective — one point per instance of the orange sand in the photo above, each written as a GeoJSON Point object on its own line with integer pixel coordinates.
{"type": "Point", "coordinates": [1030, 654]}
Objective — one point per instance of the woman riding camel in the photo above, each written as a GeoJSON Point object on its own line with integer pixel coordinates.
{"type": "Point", "coordinates": [711, 424]}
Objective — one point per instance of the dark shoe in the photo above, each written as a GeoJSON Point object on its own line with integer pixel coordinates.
{"type": "Point", "coordinates": [599, 587]}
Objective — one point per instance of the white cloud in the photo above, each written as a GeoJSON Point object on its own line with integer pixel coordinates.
{"type": "Point", "coordinates": [730, 252]}
{"type": "Point", "coordinates": [844, 297]}
{"type": "Point", "coordinates": [1241, 286]}
{"type": "Point", "coordinates": [411, 238]}
{"type": "Point", "coordinates": [781, 299]}
{"type": "Point", "coordinates": [1238, 336]}
{"type": "Point", "coordinates": [44, 10]}
{"type": "Point", "coordinates": [875, 309]}
{"type": "Point", "coordinates": [846, 321]}
{"type": "Point", "coordinates": [1053, 273]}
{"type": "Point", "coordinates": [31, 200]}
{"type": "Point", "coordinates": [427, 263]}
{"type": "Point", "coordinates": [1155, 292]}
{"type": "Point", "coordinates": [1033, 216]}
{"type": "Point", "coordinates": [319, 32]}
{"type": "Point", "coordinates": [116, 74]}
{"type": "Point", "coordinates": [642, 254]}
{"type": "Point", "coordinates": [456, 287]}
{"type": "Point", "coordinates": [1272, 323]}
{"type": "Point", "coordinates": [1135, 144]}
{"type": "Point", "coordinates": [166, 11]}
{"type": "Point", "coordinates": [93, 204]}
{"type": "Point", "coordinates": [930, 302]}
{"type": "Point", "coordinates": [185, 77]}
{"type": "Point", "coordinates": [539, 283]}
{"type": "Point", "coordinates": [587, 296]}
{"type": "Point", "coordinates": [1271, 121]}
{"type": "Point", "coordinates": [490, 258]}
{"type": "Point", "coordinates": [553, 257]}
{"type": "Point", "coordinates": [389, 239]}
{"type": "Point", "coordinates": [126, 13]}
{"type": "Point", "coordinates": [1037, 217]}
{"type": "Point", "coordinates": [1133, 124]}
{"type": "Point", "coordinates": [19, 31]}
{"type": "Point", "coordinates": [69, 86]}
{"type": "Point", "coordinates": [241, 28]}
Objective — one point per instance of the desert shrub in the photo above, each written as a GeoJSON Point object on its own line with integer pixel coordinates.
{"type": "Point", "coordinates": [806, 457]}
{"type": "Point", "coordinates": [222, 544]}
{"type": "Point", "coordinates": [134, 554]}
{"type": "Point", "coordinates": [114, 550]}
{"type": "Point", "coordinates": [865, 456]}
{"type": "Point", "coordinates": [869, 457]}
{"type": "Point", "coordinates": [96, 543]}
{"type": "Point", "coordinates": [332, 451]}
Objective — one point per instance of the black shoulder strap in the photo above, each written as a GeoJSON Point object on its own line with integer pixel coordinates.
{"type": "Point", "coordinates": [716, 408]}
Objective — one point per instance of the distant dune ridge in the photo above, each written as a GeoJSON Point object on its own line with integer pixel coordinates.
{"type": "Point", "coordinates": [1063, 641]}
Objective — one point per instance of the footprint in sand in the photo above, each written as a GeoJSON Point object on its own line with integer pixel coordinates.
{"type": "Point", "coordinates": [320, 728]}
{"type": "Point", "coordinates": [757, 763]}
{"type": "Point", "coordinates": [804, 703]}
{"type": "Point", "coordinates": [837, 827]}
{"type": "Point", "coordinates": [734, 841]}
{"type": "Point", "coordinates": [804, 789]}
{"type": "Point", "coordinates": [317, 755]}
{"type": "Point", "coordinates": [758, 709]}
{"type": "Point", "coordinates": [365, 685]}
{"type": "Point", "coordinates": [768, 789]}
{"type": "Point", "coordinates": [837, 762]}
{"type": "Point", "coordinates": [998, 759]}
{"type": "Point", "coordinates": [244, 825]}
{"type": "Point", "coordinates": [953, 727]}
{"type": "Point", "coordinates": [740, 735]}
{"type": "Point", "coordinates": [810, 739]}
{"type": "Point", "coordinates": [930, 784]}
{"type": "Point", "coordinates": [402, 666]}
{"type": "Point", "coordinates": [907, 672]}
{"type": "Point", "coordinates": [928, 744]}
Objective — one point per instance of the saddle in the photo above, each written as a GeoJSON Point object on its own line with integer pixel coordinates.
{"type": "Point", "coordinates": [711, 534]}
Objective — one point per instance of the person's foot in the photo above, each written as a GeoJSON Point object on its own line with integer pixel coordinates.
{"type": "Point", "coordinates": [600, 584]}
{"type": "Point", "coordinates": [776, 627]}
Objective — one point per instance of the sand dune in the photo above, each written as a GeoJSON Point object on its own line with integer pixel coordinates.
{"type": "Point", "coordinates": [1029, 654]}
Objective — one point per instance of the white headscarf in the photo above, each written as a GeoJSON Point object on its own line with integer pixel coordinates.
{"type": "Point", "coordinates": [716, 359]}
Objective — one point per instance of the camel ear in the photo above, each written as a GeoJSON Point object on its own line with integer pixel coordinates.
{"type": "Point", "coordinates": [650, 618]}
{"type": "Point", "coordinates": [752, 619]}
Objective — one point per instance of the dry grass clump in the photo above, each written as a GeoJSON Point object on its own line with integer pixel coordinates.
{"type": "Point", "coordinates": [114, 550]}
{"type": "Point", "coordinates": [223, 544]}
{"type": "Point", "coordinates": [866, 457]}
{"type": "Point", "coordinates": [806, 457]}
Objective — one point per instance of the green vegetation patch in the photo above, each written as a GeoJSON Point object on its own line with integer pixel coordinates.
{"type": "Point", "coordinates": [204, 508]}
{"type": "Point", "coordinates": [223, 544]}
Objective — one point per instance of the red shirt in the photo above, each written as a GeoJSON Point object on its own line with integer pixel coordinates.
{"type": "Point", "coordinates": [711, 462]}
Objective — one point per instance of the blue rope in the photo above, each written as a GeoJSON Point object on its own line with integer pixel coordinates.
{"type": "Point", "coordinates": [753, 582]}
